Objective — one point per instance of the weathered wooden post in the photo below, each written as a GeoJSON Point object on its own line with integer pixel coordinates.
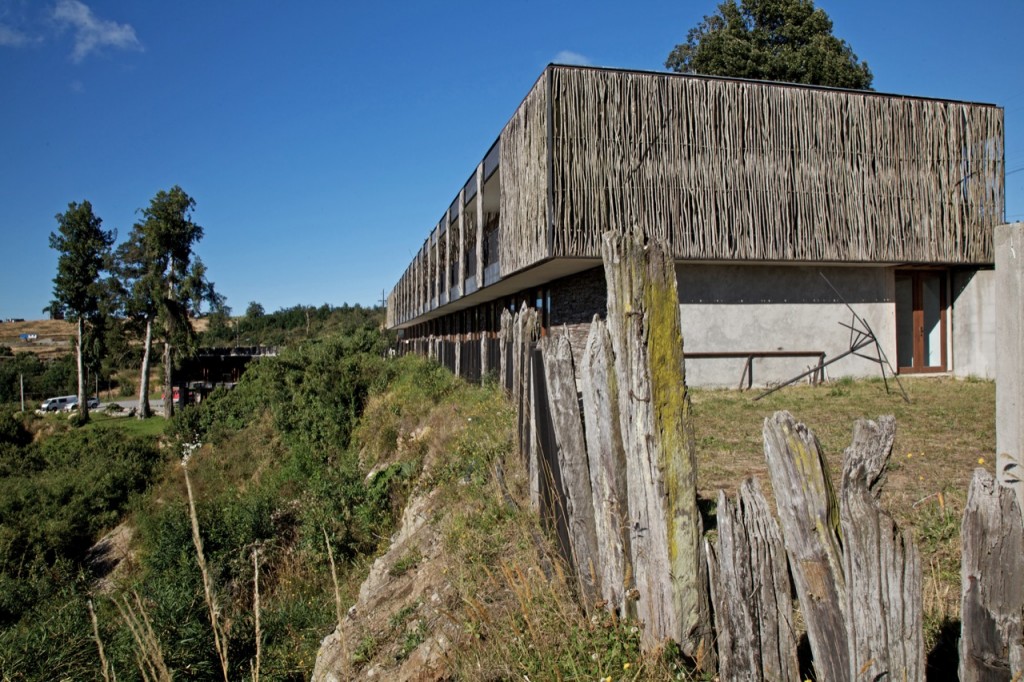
{"type": "Point", "coordinates": [882, 568]}
{"type": "Point", "coordinates": [750, 589]}
{"type": "Point", "coordinates": [809, 515]}
{"type": "Point", "coordinates": [504, 343]}
{"type": "Point", "coordinates": [992, 583]}
{"type": "Point", "coordinates": [857, 576]}
{"type": "Point", "coordinates": [576, 496]}
{"type": "Point", "coordinates": [525, 331]}
{"type": "Point", "coordinates": [607, 469]}
{"type": "Point", "coordinates": [665, 524]}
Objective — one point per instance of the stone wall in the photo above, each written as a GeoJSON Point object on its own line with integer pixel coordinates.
{"type": "Point", "coordinates": [574, 302]}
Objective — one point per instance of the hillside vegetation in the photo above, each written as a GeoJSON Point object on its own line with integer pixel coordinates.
{"type": "Point", "coordinates": [406, 481]}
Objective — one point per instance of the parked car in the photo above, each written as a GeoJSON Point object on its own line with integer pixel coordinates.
{"type": "Point", "coordinates": [58, 403]}
{"type": "Point", "coordinates": [93, 403]}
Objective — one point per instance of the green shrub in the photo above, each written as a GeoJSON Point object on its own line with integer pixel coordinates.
{"type": "Point", "coordinates": [69, 488]}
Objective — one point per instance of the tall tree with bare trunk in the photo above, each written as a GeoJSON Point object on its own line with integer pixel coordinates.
{"type": "Point", "coordinates": [78, 289]}
{"type": "Point", "coordinates": [163, 282]}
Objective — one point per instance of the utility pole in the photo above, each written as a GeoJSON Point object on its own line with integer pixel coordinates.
{"type": "Point", "coordinates": [21, 381]}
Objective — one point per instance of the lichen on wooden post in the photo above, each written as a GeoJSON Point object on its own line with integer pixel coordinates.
{"type": "Point", "coordinates": [665, 523]}
{"type": "Point", "coordinates": [809, 516]}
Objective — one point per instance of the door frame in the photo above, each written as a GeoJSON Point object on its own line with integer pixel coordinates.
{"type": "Point", "coordinates": [917, 306]}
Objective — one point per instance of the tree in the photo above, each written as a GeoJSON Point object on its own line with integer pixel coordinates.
{"type": "Point", "coordinates": [778, 40]}
{"type": "Point", "coordinates": [254, 310]}
{"type": "Point", "coordinates": [78, 290]}
{"type": "Point", "coordinates": [163, 283]}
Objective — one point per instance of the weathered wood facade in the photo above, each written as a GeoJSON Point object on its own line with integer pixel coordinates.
{"type": "Point", "coordinates": [720, 170]}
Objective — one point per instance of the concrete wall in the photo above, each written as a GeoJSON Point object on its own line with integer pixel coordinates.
{"type": "Point", "coordinates": [973, 323]}
{"type": "Point", "coordinates": [780, 307]}
{"type": "Point", "coordinates": [741, 307]}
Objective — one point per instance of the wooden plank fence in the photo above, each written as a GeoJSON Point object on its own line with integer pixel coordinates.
{"type": "Point", "coordinates": [612, 470]}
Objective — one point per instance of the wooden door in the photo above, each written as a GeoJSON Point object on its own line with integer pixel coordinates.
{"type": "Point", "coordinates": [921, 321]}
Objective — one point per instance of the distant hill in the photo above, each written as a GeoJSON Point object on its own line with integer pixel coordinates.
{"type": "Point", "coordinates": [52, 337]}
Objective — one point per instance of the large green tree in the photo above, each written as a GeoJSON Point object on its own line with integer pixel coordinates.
{"type": "Point", "coordinates": [163, 282]}
{"type": "Point", "coordinates": [778, 40]}
{"type": "Point", "coordinates": [78, 289]}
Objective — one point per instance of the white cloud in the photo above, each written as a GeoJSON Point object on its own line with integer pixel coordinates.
{"type": "Point", "coordinates": [571, 58]}
{"type": "Point", "coordinates": [91, 32]}
{"type": "Point", "coordinates": [11, 37]}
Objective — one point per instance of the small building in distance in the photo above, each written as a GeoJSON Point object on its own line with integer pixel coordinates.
{"type": "Point", "coordinates": [782, 205]}
{"type": "Point", "coordinates": [207, 369]}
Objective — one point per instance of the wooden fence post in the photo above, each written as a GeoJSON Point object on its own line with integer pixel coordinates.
{"type": "Point", "coordinates": [882, 568]}
{"type": "Point", "coordinates": [576, 497]}
{"type": "Point", "coordinates": [992, 583]}
{"type": "Point", "coordinates": [504, 341]}
{"type": "Point", "coordinates": [607, 469]}
{"type": "Point", "coordinates": [750, 589]}
{"type": "Point", "coordinates": [809, 515]}
{"type": "Point", "coordinates": [666, 534]}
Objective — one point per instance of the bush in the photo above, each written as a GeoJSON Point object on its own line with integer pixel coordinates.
{"type": "Point", "coordinates": [66, 490]}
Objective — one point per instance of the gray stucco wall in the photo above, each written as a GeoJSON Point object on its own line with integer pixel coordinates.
{"type": "Point", "coordinates": [973, 323]}
{"type": "Point", "coordinates": [780, 307]}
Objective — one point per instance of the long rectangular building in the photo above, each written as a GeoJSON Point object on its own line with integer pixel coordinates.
{"type": "Point", "coordinates": [780, 203]}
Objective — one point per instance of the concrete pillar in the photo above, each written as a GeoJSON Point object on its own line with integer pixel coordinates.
{"type": "Point", "coordinates": [447, 262]}
{"type": "Point", "coordinates": [431, 279]}
{"type": "Point", "coordinates": [437, 262]}
{"type": "Point", "coordinates": [480, 226]}
{"type": "Point", "coordinates": [1009, 299]}
{"type": "Point", "coordinates": [462, 242]}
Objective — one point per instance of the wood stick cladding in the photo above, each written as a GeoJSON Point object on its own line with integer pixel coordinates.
{"type": "Point", "coordinates": [726, 169]}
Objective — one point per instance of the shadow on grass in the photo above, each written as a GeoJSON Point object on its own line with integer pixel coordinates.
{"type": "Point", "coordinates": [943, 660]}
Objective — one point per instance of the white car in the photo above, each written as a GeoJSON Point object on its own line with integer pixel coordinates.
{"type": "Point", "coordinates": [58, 403]}
{"type": "Point", "coordinates": [93, 403]}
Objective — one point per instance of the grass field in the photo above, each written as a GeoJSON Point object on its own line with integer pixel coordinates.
{"type": "Point", "coordinates": [154, 426]}
{"type": "Point", "coordinates": [944, 432]}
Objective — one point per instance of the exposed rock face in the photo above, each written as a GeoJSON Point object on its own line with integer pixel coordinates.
{"type": "Point", "coordinates": [398, 628]}
{"type": "Point", "coordinates": [109, 558]}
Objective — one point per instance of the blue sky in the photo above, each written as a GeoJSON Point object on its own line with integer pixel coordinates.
{"type": "Point", "coordinates": [322, 140]}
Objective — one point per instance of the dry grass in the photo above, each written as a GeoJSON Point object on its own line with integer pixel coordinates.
{"type": "Point", "coordinates": [220, 639]}
{"type": "Point", "coordinates": [148, 653]}
{"type": "Point", "coordinates": [55, 337]}
{"type": "Point", "coordinates": [104, 663]}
